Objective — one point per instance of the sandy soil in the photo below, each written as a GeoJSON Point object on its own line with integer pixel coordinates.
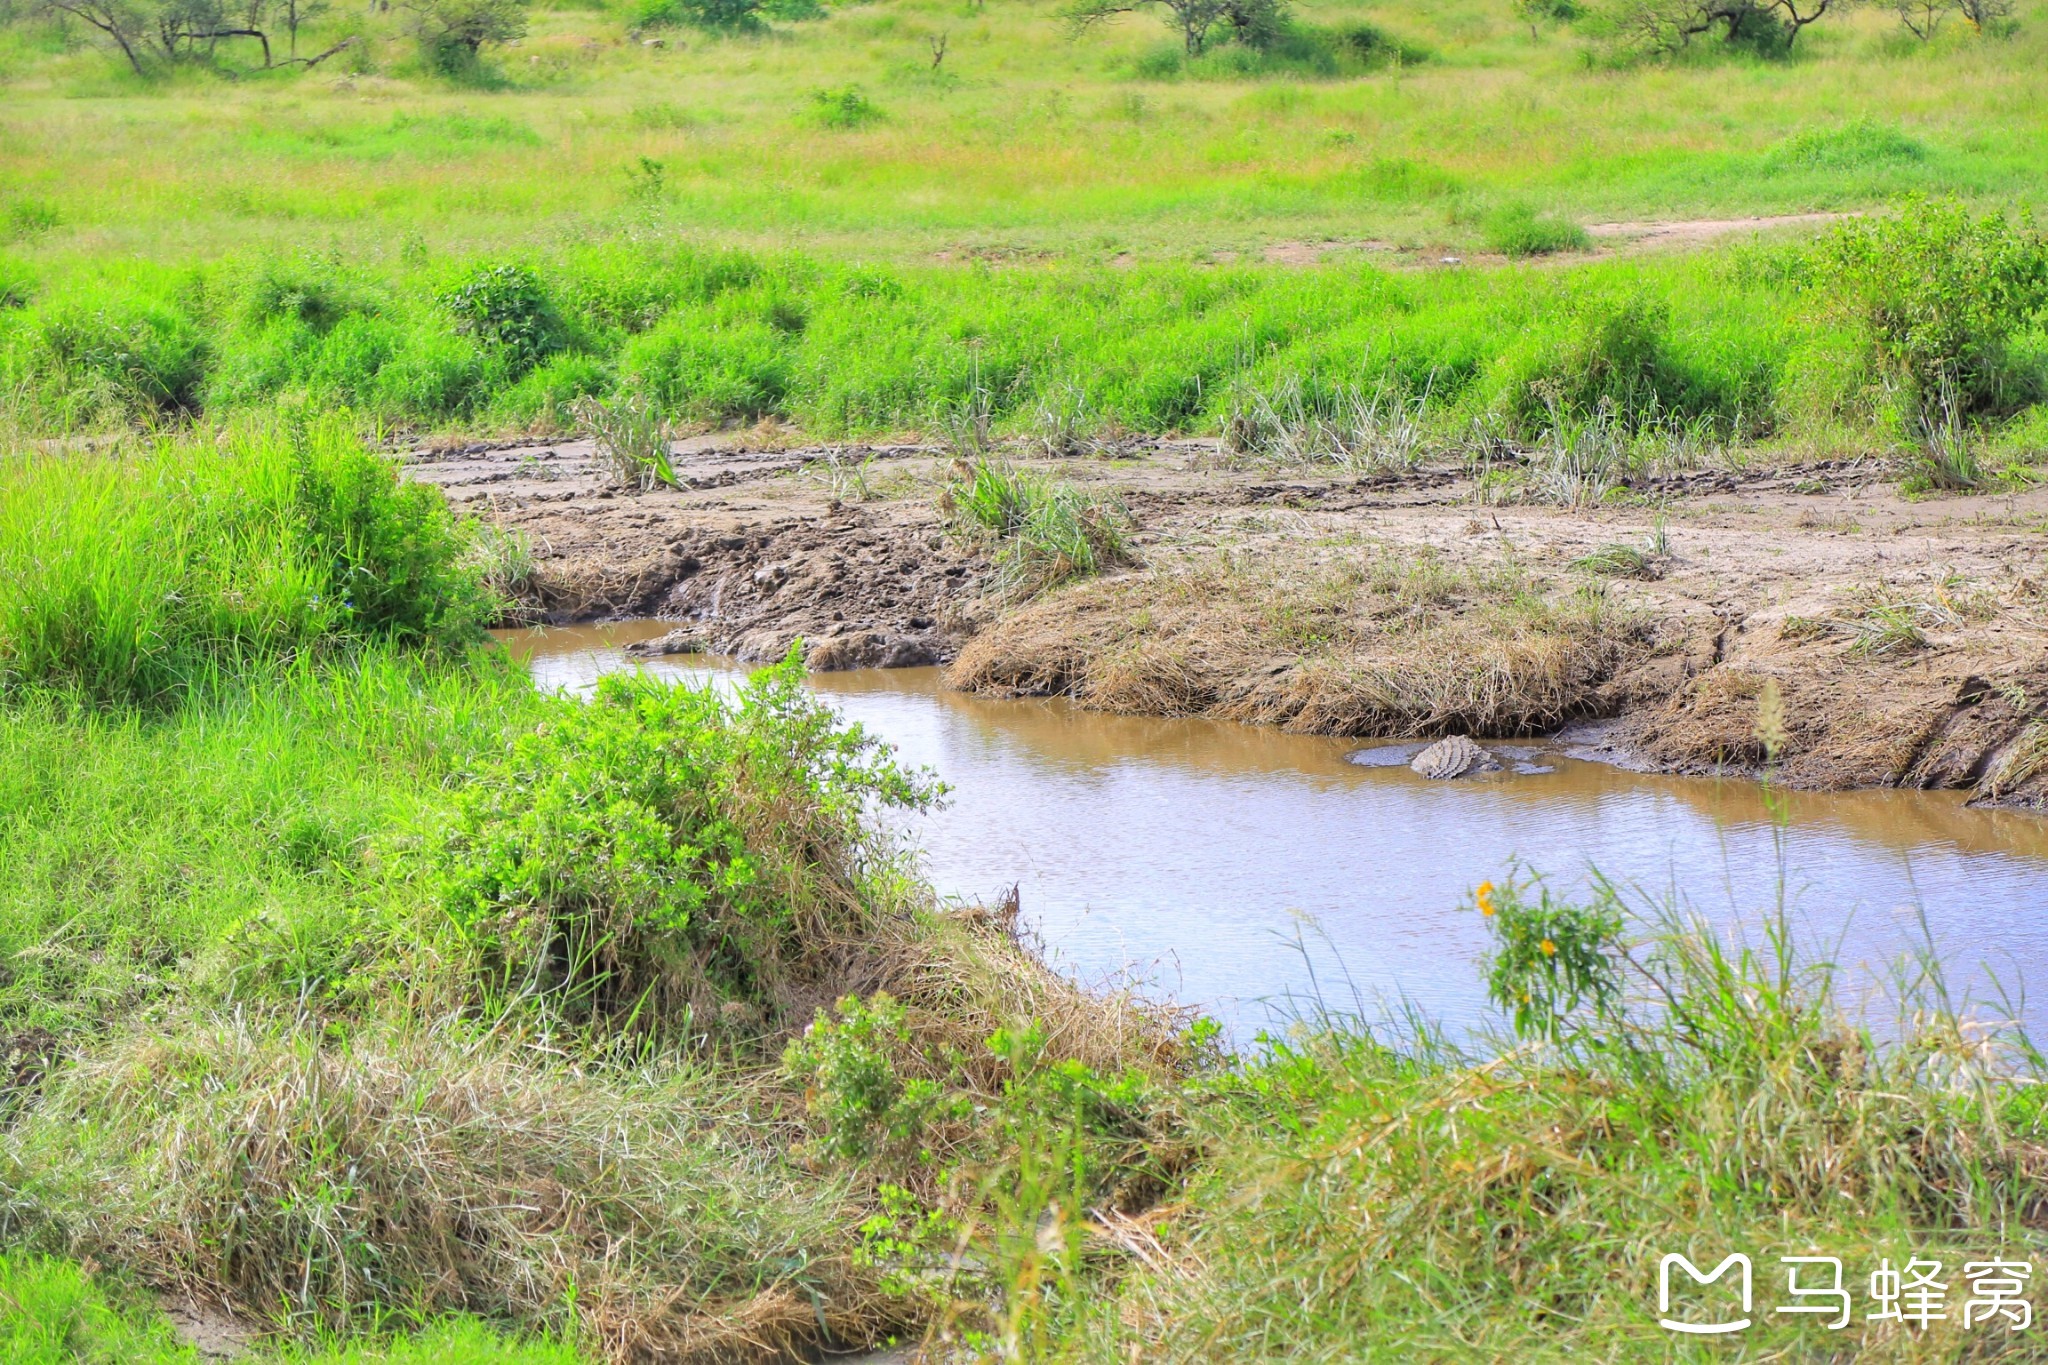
{"type": "Point", "coordinates": [1770, 588]}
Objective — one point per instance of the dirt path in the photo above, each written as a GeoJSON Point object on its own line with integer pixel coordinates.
{"type": "Point", "coordinates": [1875, 639]}
{"type": "Point", "coordinates": [1689, 232]}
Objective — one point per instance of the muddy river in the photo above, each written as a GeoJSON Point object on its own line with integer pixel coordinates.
{"type": "Point", "coordinates": [1256, 873]}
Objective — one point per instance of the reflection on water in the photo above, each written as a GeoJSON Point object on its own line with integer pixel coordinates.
{"type": "Point", "coordinates": [1237, 867]}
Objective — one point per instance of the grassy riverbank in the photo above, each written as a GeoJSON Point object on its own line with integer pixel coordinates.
{"type": "Point", "coordinates": [354, 986]}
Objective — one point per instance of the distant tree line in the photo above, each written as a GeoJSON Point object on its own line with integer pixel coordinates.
{"type": "Point", "coordinates": [152, 34]}
{"type": "Point", "coordinates": [1765, 27]}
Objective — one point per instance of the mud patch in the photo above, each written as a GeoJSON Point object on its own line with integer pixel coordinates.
{"type": "Point", "coordinates": [1266, 597]}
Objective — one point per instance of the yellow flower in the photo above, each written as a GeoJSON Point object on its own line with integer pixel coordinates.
{"type": "Point", "coordinates": [1484, 895]}
{"type": "Point", "coordinates": [1549, 948]}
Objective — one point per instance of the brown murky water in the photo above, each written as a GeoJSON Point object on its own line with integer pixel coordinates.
{"type": "Point", "coordinates": [1252, 871]}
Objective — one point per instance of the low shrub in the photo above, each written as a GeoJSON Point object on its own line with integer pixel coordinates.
{"type": "Point", "coordinates": [508, 307]}
{"type": "Point", "coordinates": [1941, 297]}
{"type": "Point", "coordinates": [638, 860]}
{"type": "Point", "coordinates": [1519, 230]}
{"type": "Point", "coordinates": [843, 107]}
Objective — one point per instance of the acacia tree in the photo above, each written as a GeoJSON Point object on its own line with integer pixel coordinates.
{"type": "Point", "coordinates": [454, 33]}
{"type": "Point", "coordinates": [1664, 27]}
{"type": "Point", "coordinates": [1978, 13]}
{"type": "Point", "coordinates": [1255, 23]}
{"type": "Point", "coordinates": [147, 31]}
{"type": "Point", "coordinates": [120, 22]}
{"type": "Point", "coordinates": [1922, 17]}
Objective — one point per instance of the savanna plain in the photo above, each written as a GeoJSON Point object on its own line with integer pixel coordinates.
{"type": "Point", "coordinates": [1675, 371]}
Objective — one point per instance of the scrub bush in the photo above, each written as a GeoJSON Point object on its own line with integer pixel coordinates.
{"type": "Point", "coordinates": [507, 306]}
{"type": "Point", "coordinates": [1941, 297]}
{"type": "Point", "coordinates": [637, 860]}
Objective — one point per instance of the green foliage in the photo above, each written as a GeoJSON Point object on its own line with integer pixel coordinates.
{"type": "Point", "coordinates": [855, 1097]}
{"type": "Point", "coordinates": [636, 859]}
{"type": "Point", "coordinates": [87, 357]}
{"type": "Point", "coordinates": [52, 1313]}
{"type": "Point", "coordinates": [631, 437]}
{"type": "Point", "coordinates": [28, 218]}
{"type": "Point", "coordinates": [1745, 343]}
{"type": "Point", "coordinates": [1046, 532]}
{"type": "Point", "coordinates": [1519, 230]}
{"type": "Point", "coordinates": [508, 306]}
{"type": "Point", "coordinates": [135, 579]}
{"type": "Point", "coordinates": [1941, 296]}
{"type": "Point", "coordinates": [1550, 958]}
{"type": "Point", "coordinates": [724, 16]}
{"type": "Point", "coordinates": [1610, 357]}
{"type": "Point", "coordinates": [845, 106]}
{"type": "Point", "coordinates": [227, 835]}
{"type": "Point", "coordinates": [453, 34]}
{"type": "Point", "coordinates": [1857, 145]}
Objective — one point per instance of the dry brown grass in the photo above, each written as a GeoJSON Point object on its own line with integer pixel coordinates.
{"type": "Point", "coordinates": [1371, 644]}
{"type": "Point", "coordinates": [307, 1178]}
{"type": "Point", "coordinates": [327, 1183]}
{"type": "Point", "coordinates": [963, 976]}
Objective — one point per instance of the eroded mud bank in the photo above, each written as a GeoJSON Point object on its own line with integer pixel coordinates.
{"type": "Point", "coordinates": [1874, 639]}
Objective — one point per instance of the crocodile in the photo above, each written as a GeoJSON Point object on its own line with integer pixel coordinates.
{"type": "Point", "coordinates": [1454, 757]}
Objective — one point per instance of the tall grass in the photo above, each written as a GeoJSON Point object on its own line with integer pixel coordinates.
{"type": "Point", "coordinates": [136, 574]}
{"type": "Point", "coordinates": [1393, 1192]}
{"type": "Point", "coordinates": [215, 850]}
{"type": "Point", "coordinates": [721, 336]}
{"type": "Point", "coordinates": [1045, 532]}
{"type": "Point", "coordinates": [54, 1312]}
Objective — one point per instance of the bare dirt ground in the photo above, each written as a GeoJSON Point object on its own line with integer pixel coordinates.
{"type": "Point", "coordinates": [1694, 232]}
{"type": "Point", "coordinates": [1872, 639]}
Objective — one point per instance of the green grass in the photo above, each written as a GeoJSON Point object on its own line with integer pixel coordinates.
{"type": "Point", "coordinates": [222, 846]}
{"type": "Point", "coordinates": [840, 348]}
{"type": "Point", "coordinates": [52, 1312]}
{"type": "Point", "coordinates": [138, 574]}
{"type": "Point", "coordinates": [423, 1017]}
{"type": "Point", "coordinates": [1045, 532]}
{"type": "Point", "coordinates": [1026, 142]}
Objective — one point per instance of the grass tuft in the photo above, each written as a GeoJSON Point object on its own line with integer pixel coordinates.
{"type": "Point", "coordinates": [1046, 532]}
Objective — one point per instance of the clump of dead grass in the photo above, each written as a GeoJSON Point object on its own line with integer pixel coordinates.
{"type": "Point", "coordinates": [1885, 621]}
{"type": "Point", "coordinates": [1380, 645]}
{"type": "Point", "coordinates": [320, 1184]}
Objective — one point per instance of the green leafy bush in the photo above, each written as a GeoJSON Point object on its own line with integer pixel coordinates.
{"type": "Point", "coordinates": [640, 859]}
{"type": "Point", "coordinates": [508, 306]}
{"type": "Point", "coordinates": [844, 107]}
{"type": "Point", "coordinates": [853, 1092]}
{"type": "Point", "coordinates": [1550, 958]}
{"type": "Point", "coordinates": [1941, 297]}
